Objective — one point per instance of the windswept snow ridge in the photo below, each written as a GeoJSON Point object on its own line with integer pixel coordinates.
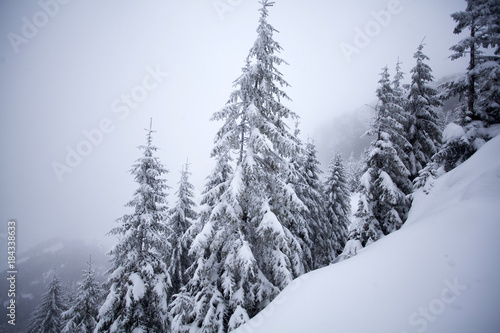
{"type": "Point", "coordinates": [439, 273]}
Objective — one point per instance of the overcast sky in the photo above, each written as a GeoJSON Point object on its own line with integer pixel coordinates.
{"type": "Point", "coordinates": [73, 69]}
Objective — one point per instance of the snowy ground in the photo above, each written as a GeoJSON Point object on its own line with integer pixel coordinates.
{"type": "Point", "coordinates": [439, 273]}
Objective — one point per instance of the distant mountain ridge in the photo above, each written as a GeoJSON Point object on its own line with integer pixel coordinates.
{"type": "Point", "coordinates": [68, 257]}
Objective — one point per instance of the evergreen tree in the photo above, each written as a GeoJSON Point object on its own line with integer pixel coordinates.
{"type": "Point", "coordinates": [383, 204]}
{"type": "Point", "coordinates": [481, 19]}
{"type": "Point", "coordinates": [47, 316]}
{"type": "Point", "coordinates": [182, 217]}
{"type": "Point", "coordinates": [248, 248]}
{"type": "Point", "coordinates": [138, 280]}
{"type": "Point", "coordinates": [338, 202]}
{"type": "Point", "coordinates": [479, 89]}
{"type": "Point", "coordinates": [318, 241]}
{"type": "Point", "coordinates": [82, 316]}
{"type": "Point", "coordinates": [423, 131]}
{"type": "Point", "coordinates": [353, 171]}
{"type": "Point", "coordinates": [397, 88]}
{"type": "Point", "coordinates": [488, 104]}
{"type": "Point", "coordinates": [400, 107]}
{"type": "Point", "coordinates": [186, 310]}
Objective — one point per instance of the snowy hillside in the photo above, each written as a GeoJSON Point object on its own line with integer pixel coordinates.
{"type": "Point", "coordinates": [439, 273]}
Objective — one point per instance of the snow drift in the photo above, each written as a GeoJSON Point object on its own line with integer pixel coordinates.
{"type": "Point", "coordinates": [439, 273]}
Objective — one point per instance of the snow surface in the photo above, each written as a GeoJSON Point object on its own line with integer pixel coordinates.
{"type": "Point", "coordinates": [439, 273]}
{"type": "Point", "coordinates": [270, 221]}
{"type": "Point", "coordinates": [453, 132]}
{"type": "Point", "coordinates": [139, 289]}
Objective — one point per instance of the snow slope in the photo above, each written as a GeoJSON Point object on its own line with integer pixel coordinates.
{"type": "Point", "coordinates": [439, 273]}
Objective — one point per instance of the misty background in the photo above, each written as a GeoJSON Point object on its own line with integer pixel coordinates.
{"type": "Point", "coordinates": [179, 59]}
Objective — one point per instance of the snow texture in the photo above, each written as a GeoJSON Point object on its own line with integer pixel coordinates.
{"type": "Point", "coordinates": [453, 132]}
{"type": "Point", "coordinates": [138, 289]}
{"type": "Point", "coordinates": [270, 221]}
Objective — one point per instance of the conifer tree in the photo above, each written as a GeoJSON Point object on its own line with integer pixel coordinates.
{"type": "Point", "coordinates": [248, 247]}
{"type": "Point", "coordinates": [318, 241]}
{"type": "Point", "coordinates": [479, 89]}
{"type": "Point", "coordinates": [481, 19]}
{"type": "Point", "coordinates": [181, 218]}
{"type": "Point", "coordinates": [138, 279]}
{"type": "Point", "coordinates": [191, 305]}
{"type": "Point", "coordinates": [400, 110]}
{"type": "Point", "coordinates": [47, 317]}
{"type": "Point", "coordinates": [338, 202]}
{"type": "Point", "coordinates": [383, 204]}
{"type": "Point", "coordinates": [397, 88]}
{"type": "Point", "coordinates": [353, 171]}
{"type": "Point", "coordinates": [81, 317]}
{"type": "Point", "coordinates": [423, 131]}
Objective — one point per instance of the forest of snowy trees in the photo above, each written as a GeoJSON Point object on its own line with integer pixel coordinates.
{"type": "Point", "coordinates": [268, 214]}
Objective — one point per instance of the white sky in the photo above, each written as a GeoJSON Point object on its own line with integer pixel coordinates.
{"type": "Point", "coordinates": [71, 73]}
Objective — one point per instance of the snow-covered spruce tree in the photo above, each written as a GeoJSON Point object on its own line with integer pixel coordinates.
{"type": "Point", "coordinates": [47, 316]}
{"type": "Point", "coordinates": [81, 317]}
{"type": "Point", "coordinates": [247, 249]}
{"type": "Point", "coordinates": [383, 204]}
{"type": "Point", "coordinates": [397, 88]}
{"type": "Point", "coordinates": [353, 170]}
{"type": "Point", "coordinates": [181, 218]}
{"type": "Point", "coordinates": [479, 89]}
{"type": "Point", "coordinates": [423, 130]}
{"type": "Point", "coordinates": [400, 109]}
{"type": "Point", "coordinates": [338, 202]}
{"type": "Point", "coordinates": [481, 19]}
{"type": "Point", "coordinates": [184, 309]}
{"type": "Point", "coordinates": [319, 243]}
{"type": "Point", "coordinates": [138, 279]}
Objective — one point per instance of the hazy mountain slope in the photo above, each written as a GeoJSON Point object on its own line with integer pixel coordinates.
{"type": "Point", "coordinates": [33, 272]}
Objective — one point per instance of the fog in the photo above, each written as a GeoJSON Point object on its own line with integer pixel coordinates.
{"type": "Point", "coordinates": [80, 80]}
